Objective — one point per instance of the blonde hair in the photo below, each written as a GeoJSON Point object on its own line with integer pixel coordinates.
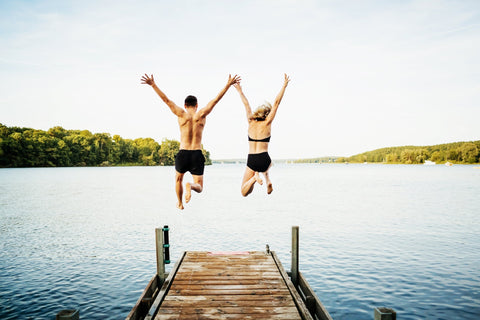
{"type": "Point", "coordinates": [262, 112]}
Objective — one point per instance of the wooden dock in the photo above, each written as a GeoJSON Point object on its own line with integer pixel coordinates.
{"type": "Point", "coordinates": [228, 285]}
{"type": "Point", "coordinates": [238, 285]}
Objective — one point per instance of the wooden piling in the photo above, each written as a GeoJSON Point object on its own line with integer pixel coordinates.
{"type": "Point", "coordinates": [159, 248]}
{"type": "Point", "coordinates": [294, 266]}
{"type": "Point", "coordinates": [70, 314]}
{"type": "Point", "coordinates": [384, 314]}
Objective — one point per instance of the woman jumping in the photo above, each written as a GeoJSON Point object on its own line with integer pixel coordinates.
{"type": "Point", "coordinates": [259, 132]}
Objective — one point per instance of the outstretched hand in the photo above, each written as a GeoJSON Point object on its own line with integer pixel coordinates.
{"type": "Point", "coordinates": [287, 80]}
{"type": "Point", "coordinates": [233, 81]}
{"type": "Point", "coordinates": [148, 80]}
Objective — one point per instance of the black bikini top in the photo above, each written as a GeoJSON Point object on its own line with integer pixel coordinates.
{"type": "Point", "coordinates": [267, 139]}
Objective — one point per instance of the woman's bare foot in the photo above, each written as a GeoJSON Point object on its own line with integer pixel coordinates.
{"type": "Point", "coordinates": [269, 188]}
{"type": "Point", "coordinates": [268, 181]}
{"type": "Point", "coordinates": [180, 205]}
{"type": "Point", "coordinates": [188, 192]}
{"type": "Point", "coordinates": [258, 179]}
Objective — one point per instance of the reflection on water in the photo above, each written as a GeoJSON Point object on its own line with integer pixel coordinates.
{"type": "Point", "coordinates": [405, 237]}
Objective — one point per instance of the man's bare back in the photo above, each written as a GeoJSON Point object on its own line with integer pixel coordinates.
{"type": "Point", "coordinates": [191, 130]}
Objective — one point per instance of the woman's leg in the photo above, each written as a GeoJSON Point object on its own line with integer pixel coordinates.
{"type": "Point", "coordinates": [268, 181]}
{"type": "Point", "coordinates": [257, 177]}
{"type": "Point", "coordinates": [249, 179]}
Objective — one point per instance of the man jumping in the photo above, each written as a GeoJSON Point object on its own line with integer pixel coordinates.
{"type": "Point", "coordinates": [191, 122]}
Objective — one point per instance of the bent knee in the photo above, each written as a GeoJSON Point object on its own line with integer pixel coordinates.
{"type": "Point", "coordinates": [246, 192]}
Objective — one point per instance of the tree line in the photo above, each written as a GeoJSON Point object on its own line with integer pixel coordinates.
{"type": "Point", "coordinates": [58, 147]}
{"type": "Point", "coordinates": [457, 152]}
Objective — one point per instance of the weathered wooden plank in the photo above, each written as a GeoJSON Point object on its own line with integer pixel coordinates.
{"type": "Point", "coordinates": [230, 310]}
{"type": "Point", "coordinates": [228, 273]}
{"type": "Point", "coordinates": [222, 266]}
{"type": "Point", "coordinates": [229, 292]}
{"type": "Point", "coordinates": [229, 264]}
{"type": "Point", "coordinates": [233, 254]}
{"type": "Point", "coordinates": [231, 301]}
{"type": "Point", "coordinates": [230, 280]}
{"type": "Point", "coordinates": [212, 287]}
{"type": "Point", "coordinates": [249, 257]}
{"type": "Point", "coordinates": [220, 316]}
{"type": "Point", "coordinates": [199, 255]}
{"type": "Point", "coordinates": [229, 298]}
{"type": "Point", "coordinates": [234, 302]}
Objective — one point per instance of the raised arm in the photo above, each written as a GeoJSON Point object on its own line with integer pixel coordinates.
{"type": "Point", "coordinates": [244, 100]}
{"type": "Point", "coordinates": [277, 101]}
{"type": "Point", "coordinates": [175, 109]}
{"type": "Point", "coordinates": [209, 107]}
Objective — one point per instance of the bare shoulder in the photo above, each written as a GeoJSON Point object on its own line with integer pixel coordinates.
{"type": "Point", "coordinates": [199, 117]}
{"type": "Point", "coordinates": [202, 113]}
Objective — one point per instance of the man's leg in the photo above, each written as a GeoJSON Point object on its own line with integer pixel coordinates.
{"type": "Point", "coordinates": [179, 189]}
{"type": "Point", "coordinates": [196, 185]}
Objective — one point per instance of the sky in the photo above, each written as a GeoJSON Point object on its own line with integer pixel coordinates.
{"type": "Point", "coordinates": [365, 74]}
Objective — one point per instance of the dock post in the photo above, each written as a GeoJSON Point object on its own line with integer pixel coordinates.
{"type": "Point", "coordinates": [384, 314]}
{"type": "Point", "coordinates": [294, 267]}
{"type": "Point", "coordinates": [160, 253]}
{"type": "Point", "coordinates": [166, 245]}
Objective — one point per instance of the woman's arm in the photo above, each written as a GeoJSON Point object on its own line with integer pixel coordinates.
{"type": "Point", "coordinates": [278, 99]}
{"type": "Point", "coordinates": [244, 100]}
{"type": "Point", "coordinates": [173, 107]}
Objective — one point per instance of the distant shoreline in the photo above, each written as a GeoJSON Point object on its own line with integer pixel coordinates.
{"type": "Point", "coordinates": [58, 147]}
{"type": "Point", "coordinates": [281, 161]}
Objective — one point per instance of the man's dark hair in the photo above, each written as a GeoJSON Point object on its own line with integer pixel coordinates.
{"type": "Point", "coordinates": [190, 101]}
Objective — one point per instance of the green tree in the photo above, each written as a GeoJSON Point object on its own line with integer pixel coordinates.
{"type": "Point", "coordinates": [468, 153]}
{"type": "Point", "coordinates": [168, 150]}
{"type": "Point", "coordinates": [206, 154]}
{"type": "Point", "coordinates": [148, 151]}
{"type": "Point", "coordinates": [437, 156]}
{"type": "Point", "coordinates": [102, 143]}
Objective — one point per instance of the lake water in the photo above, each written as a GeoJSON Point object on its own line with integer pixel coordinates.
{"type": "Point", "coordinates": [400, 236]}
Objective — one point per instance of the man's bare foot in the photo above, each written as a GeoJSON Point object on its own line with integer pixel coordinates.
{"type": "Point", "coordinates": [258, 179]}
{"type": "Point", "coordinates": [269, 188]}
{"type": "Point", "coordinates": [180, 206]}
{"type": "Point", "coordinates": [188, 192]}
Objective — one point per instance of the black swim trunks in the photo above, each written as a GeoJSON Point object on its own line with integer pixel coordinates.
{"type": "Point", "coordinates": [190, 160]}
{"type": "Point", "coordinates": [259, 162]}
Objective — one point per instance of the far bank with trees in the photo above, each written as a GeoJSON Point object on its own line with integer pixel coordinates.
{"type": "Point", "coordinates": [457, 152]}
{"type": "Point", "coordinates": [58, 147]}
